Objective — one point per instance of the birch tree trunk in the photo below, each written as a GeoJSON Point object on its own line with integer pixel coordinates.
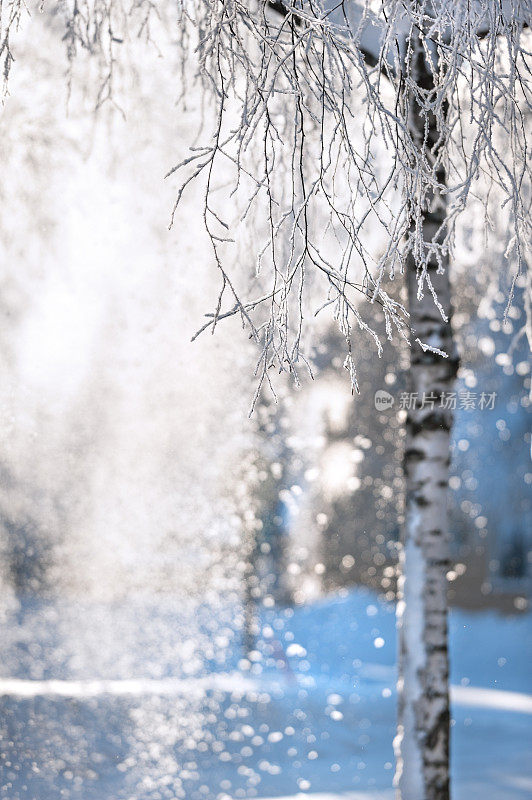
{"type": "Point", "coordinates": [422, 741]}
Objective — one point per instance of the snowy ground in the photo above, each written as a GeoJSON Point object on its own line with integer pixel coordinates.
{"type": "Point", "coordinates": [146, 700]}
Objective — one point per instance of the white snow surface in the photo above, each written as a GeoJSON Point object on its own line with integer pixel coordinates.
{"type": "Point", "coordinates": [117, 699]}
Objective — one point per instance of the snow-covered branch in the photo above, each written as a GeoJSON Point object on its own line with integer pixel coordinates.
{"type": "Point", "coordinates": [319, 91]}
{"type": "Point", "coordinates": [310, 106]}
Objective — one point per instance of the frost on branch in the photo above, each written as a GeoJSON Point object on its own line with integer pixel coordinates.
{"type": "Point", "coordinates": [10, 17]}
{"type": "Point", "coordinates": [313, 111]}
{"type": "Point", "coordinates": [308, 124]}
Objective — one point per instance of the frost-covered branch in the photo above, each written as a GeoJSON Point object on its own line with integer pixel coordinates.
{"type": "Point", "coordinates": [310, 105]}
{"type": "Point", "coordinates": [10, 17]}
{"type": "Point", "coordinates": [325, 93]}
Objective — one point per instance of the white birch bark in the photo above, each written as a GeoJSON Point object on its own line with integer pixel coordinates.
{"type": "Point", "coordinates": [422, 741]}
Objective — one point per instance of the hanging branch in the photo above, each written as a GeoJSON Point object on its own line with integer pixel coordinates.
{"type": "Point", "coordinates": [288, 81]}
{"type": "Point", "coordinates": [311, 106]}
